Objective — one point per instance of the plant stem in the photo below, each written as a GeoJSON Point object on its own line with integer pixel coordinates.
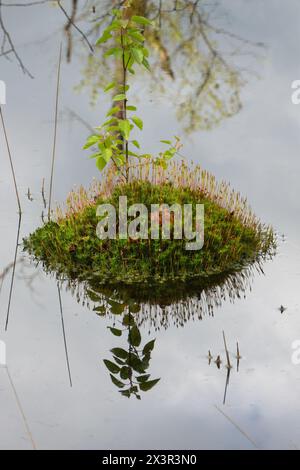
{"type": "Point", "coordinates": [125, 103]}
{"type": "Point", "coordinates": [55, 132]}
{"type": "Point", "coordinates": [11, 162]}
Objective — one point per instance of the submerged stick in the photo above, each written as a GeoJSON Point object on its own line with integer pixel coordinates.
{"type": "Point", "coordinates": [20, 409]}
{"type": "Point", "coordinates": [226, 385]}
{"type": "Point", "coordinates": [227, 353]}
{"type": "Point", "coordinates": [13, 271]}
{"type": "Point", "coordinates": [11, 162]}
{"type": "Point", "coordinates": [64, 334]}
{"type": "Point", "coordinates": [43, 194]}
{"type": "Point", "coordinates": [55, 132]}
{"type": "Point", "coordinates": [238, 356]}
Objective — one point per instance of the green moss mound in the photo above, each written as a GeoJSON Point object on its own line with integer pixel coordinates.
{"type": "Point", "coordinates": [71, 248]}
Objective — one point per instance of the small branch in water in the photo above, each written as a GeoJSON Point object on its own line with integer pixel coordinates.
{"type": "Point", "coordinates": [226, 385]}
{"type": "Point", "coordinates": [227, 353]}
{"type": "Point", "coordinates": [64, 334]}
{"type": "Point", "coordinates": [43, 194]}
{"type": "Point", "coordinates": [238, 356]}
{"type": "Point", "coordinates": [55, 132]}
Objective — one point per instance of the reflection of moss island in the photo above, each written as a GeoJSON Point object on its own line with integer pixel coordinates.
{"type": "Point", "coordinates": [234, 237]}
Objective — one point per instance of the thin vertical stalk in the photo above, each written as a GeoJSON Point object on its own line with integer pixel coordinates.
{"type": "Point", "coordinates": [55, 132]}
{"type": "Point", "coordinates": [226, 385]}
{"type": "Point", "coordinates": [227, 353]}
{"type": "Point", "coordinates": [11, 161]}
{"type": "Point", "coordinates": [13, 271]}
{"type": "Point", "coordinates": [64, 334]}
{"type": "Point", "coordinates": [125, 103]}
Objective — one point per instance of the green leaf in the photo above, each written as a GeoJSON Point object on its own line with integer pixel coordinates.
{"type": "Point", "coordinates": [136, 144]}
{"type": "Point", "coordinates": [134, 308]}
{"type": "Point", "coordinates": [119, 352]}
{"type": "Point", "coordinates": [93, 296]}
{"type": "Point", "coordinates": [168, 142]}
{"type": "Point", "coordinates": [111, 366]}
{"type": "Point", "coordinates": [124, 126]}
{"type": "Point", "coordinates": [110, 86]}
{"type": "Point", "coordinates": [91, 140]}
{"type": "Point", "coordinates": [115, 331]}
{"type": "Point", "coordinates": [145, 386]}
{"type": "Point", "coordinates": [116, 307]}
{"type": "Point", "coordinates": [134, 336]}
{"type": "Point", "coordinates": [118, 361]}
{"type": "Point", "coordinates": [149, 347]}
{"type": "Point", "coordinates": [146, 64]}
{"type": "Point", "coordinates": [116, 382]}
{"type": "Point", "coordinates": [138, 122]}
{"type": "Point", "coordinates": [141, 20]}
{"type": "Point", "coordinates": [143, 378]}
{"type": "Point", "coordinates": [128, 320]}
{"type": "Point", "coordinates": [104, 38]}
{"type": "Point", "coordinates": [101, 310]}
{"type": "Point", "coordinates": [107, 154]}
{"type": "Point", "coordinates": [120, 97]}
{"type": "Point", "coordinates": [116, 51]}
{"type": "Point", "coordinates": [137, 35]}
{"type": "Point", "coordinates": [95, 155]}
{"type": "Point", "coordinates": [125, 393]}
{"type": "Point", "coordinates": [131, 108]}
{"type": "Point", "coordinates": [100, 163]}
{"type": "Point", "coordinates": [134, 361]}
{"type": "Point", "coordinates": [137, 54]}
{"type": "Point", "coordinates": [125, 373]}
{"type": "Point", "coordinates": [133, 154]}
{"type": "Point", "coordinates": [113, 110]}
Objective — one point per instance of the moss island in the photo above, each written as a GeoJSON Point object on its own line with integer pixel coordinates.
{"type": "Point", "coordinates": [233, 237]}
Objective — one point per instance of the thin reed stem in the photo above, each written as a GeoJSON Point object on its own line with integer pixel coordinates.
{"type": "Point", "coordinates": [11, 161]}
{"type": "Point", "coordinates": [64, 335]}
{"type": "Point", "coordinates": [13, 271]}
{"type": "Point", "coordinates": [55, 131]}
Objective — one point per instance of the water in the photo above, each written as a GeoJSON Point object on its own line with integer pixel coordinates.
{"type": "Point", "coordinates": [258, 152]}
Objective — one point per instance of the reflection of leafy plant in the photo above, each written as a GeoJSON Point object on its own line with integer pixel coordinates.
{"type": "Point", "coordinates": [128, 370]}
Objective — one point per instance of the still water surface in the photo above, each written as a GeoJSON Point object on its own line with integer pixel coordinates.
{"type": "Point", "coordinates": [258, 151]}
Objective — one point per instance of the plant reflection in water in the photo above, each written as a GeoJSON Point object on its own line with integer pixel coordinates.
{"type": "Point", "coordinates": [155, 307]}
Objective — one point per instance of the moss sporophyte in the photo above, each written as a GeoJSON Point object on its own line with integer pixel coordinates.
{"type": "Point", "coordinates": [234, 237]}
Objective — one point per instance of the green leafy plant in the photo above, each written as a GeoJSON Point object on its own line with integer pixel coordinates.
{"type": "Point", "coordinates": [128, 370]}
{"type": "Point", "coordinates": [113, 139]}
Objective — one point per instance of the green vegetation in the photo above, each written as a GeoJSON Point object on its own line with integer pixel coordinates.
{"type": "Point", "coordinates": [68, 245]}
{"type": "Point", "coordinates": [233, 236]}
